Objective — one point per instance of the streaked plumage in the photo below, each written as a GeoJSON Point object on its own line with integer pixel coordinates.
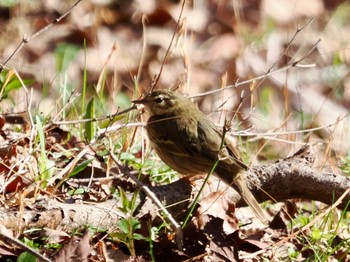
{"type": "Point", "coordinates": [189, 142]}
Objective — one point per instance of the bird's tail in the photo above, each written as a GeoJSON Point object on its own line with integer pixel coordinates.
{"type": "Point", "coordinates": [250, 199]}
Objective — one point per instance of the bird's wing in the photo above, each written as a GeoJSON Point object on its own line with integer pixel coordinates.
{"type": "Point", "coordinates": [215, 146]}
{"type": "Point", "coordinates": [174, 135]}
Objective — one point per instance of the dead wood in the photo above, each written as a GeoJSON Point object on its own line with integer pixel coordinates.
{"type": "Point", "coordinates": [293, 179]}
{"type": "Point", "coordinates": [285, 179]}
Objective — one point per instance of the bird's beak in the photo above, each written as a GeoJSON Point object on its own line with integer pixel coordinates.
{"type": "Point", "coordinates": [140, 101]}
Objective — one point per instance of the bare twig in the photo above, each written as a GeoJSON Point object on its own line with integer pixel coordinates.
{"type": "Point", "coordinates": [96, 119]}
{"type": "Point", "coordinates": [144, 50]}
{"type": "Point", "coordinates": [155, 81]}
{"type": "Point", "coordinates": [26, 39]}
{"type": "Point", "coordinates": [316, 219]}
{"type": "Point", "coordinates": [289, 132]}
{"type": "Point", "coordinates": [151, 195]}
{"type": "Point", "coordinates": [11, 240]}
{"type": "Point", "coordinates": [270, 71]}
{"type": "Point", "coordinates": [246, 82]}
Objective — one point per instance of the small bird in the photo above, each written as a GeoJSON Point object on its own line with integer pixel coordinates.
{"type": "Point", "coordinates": [190, 143]}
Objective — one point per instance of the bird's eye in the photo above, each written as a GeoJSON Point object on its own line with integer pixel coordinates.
{"type": "Point", "coordinates": [159, 100]}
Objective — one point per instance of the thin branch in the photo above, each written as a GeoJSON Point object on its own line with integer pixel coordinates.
{"type": "Point", "coordinates": [151, 195]}
{"type": "Point", "coordinates": [270, 71]}
{"type": "Point", "coordinates": [249, 81]}
{"type": "Point", "coordinates": [155, 81]}
{"type": "Point", "coordinates": [26, 40]}
{"type": "Point", "coordinates": [144, 50]}
{"type": "Point", "coordinates": [11, 240]}
{"type": "Point", "coordinates": [96, 119]}
{"type": "Point", "coordinates": [291, 132]}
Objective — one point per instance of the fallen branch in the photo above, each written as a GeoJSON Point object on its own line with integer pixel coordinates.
{"type": "Point", "coordinates": [285, 179]}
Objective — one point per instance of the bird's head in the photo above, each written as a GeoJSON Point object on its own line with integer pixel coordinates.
{"type": "Point", "coordinates": [160, 102]}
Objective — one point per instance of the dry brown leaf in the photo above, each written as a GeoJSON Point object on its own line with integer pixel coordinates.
{"type": "Point", "coordinates": [218, 205]}
{"type": "Point", "coordinates": [76, 249]}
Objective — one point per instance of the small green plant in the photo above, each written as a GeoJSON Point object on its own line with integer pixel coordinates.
{"type": "Point", "coordinates": [46, 166]}
{"type": "Point", "coordinates": [153, 235]}
{"type": "Point", "coordinates": [322, 241]}
{"type": "Point", "coordinates": [90, 127]}
{"type": "Point", "coordinates": [292, 253]}
{"type": "Point", "coordinates": [157, 170]}
{"type": "Point", "coordinates": [128, 225]}
{"type": "Point", "coordinates": [345, 166]}
{"type": "Point", "coordinates": [26, 256]}
{"type": "Point", "coordinates": [9, 82]}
